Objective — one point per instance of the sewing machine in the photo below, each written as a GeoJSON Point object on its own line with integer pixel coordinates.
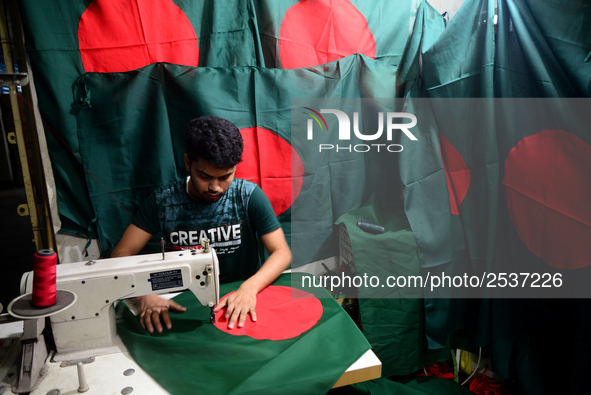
{"type": "Point", "coordinates": [87, 328]}
{"type": "Point", "coordinates": [92, 358]}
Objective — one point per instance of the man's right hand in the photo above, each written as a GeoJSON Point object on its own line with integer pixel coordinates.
{"type": "Point", "coordinates": [153, 311]}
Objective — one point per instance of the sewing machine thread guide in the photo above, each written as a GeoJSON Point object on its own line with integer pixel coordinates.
{"type": "Point", "coordinates": [163, 243]}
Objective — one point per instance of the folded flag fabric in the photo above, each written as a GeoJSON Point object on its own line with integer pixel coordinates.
{"type": "Point", "coordinates": [197, 357]}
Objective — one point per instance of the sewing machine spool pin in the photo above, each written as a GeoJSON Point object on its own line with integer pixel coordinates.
{"type": "Point", "coordinates": [163, 243]}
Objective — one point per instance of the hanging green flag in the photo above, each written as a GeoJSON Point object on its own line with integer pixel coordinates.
{"type": "Point", "coordinates": [74, 37]}
{"type": "Point", "coordinates": [159, 100]}
{"type": "Point", "coordinates": [392, 320]}
{"type": "Point", "coordinates": [544, 151]}
{"type": "Point", "coordinates": [298, 34]}
{"type": "Point", "coordinates": [564, 25]}
{"type": "Point", "coordinates": [66, 39]}
{"type": "Point", "coordinates": [514, 181]}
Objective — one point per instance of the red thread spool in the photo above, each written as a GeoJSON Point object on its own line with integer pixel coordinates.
{"type": "Point", "coordinates": [44, 278]}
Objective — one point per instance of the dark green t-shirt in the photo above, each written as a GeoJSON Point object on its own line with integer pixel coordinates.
{"type": "Point", "coordinates": [232, 224]}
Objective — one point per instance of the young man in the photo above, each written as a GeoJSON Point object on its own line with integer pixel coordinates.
{"type": "Point", "coordinates": [211, 203]}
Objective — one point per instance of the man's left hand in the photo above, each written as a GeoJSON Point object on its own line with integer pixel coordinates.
{"type": "Point", "coordinates": [238, 305]}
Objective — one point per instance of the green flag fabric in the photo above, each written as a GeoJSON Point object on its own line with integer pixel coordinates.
{"type": "Point", "coordinates": [58, 34]}
{"type": "Point", "coordinates": [437, 189]}
{"type": "Point", "coordinates": [392, 320]}
{"type": "Point", "coordinates": [297, 34]}
{"type": "Point", "coordinates": [554, 39]}
{"type": "Point", "coordinates": [116, 99]}
{"type": "Point", "coordinates": [428, 26]}
{"type": "Point", "coordinates": [488, 226]}
{"type": "Point", "coordinates": [160, 99]}
{"type": "Point", "coordinates": [564, 27]}
{"type": "Point", "coordinates": [74, 37]}
{"type": "Point", "coordinates": [197, 357]}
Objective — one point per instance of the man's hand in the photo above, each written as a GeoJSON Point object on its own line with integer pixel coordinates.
{"type": "Point", "coordinates": [152, 309]}
{"type": "Point", "coordinates": [243, 302]}
{"type": "Point", "coordinates": [238, 305]}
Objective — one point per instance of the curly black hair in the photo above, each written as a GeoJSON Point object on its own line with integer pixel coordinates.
{"type": "Point", "coordinates": [216, 140]}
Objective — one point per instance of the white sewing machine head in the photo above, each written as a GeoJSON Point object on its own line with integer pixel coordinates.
{"type": "Point", "coordinates": [88, 327]}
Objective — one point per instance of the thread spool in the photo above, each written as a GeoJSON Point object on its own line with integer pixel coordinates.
{"type": "Point", "coordinates": [374, 229]}
{"type": "Point", "coordinates": [44, 278]}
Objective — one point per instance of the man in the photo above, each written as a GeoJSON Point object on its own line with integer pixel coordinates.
{"type": "Point", "coordinates": [211, 203]}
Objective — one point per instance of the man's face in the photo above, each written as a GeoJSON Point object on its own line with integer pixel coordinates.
{"type": "Point", "coordinates": [208, 183]}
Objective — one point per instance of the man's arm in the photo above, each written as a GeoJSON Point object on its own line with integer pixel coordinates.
{"type": "Point", "coordinates": [132, 242]}
{"type": "Point", "coordinates": [151, 308]}
{"type": "Point", "coordinates": [243, 301]}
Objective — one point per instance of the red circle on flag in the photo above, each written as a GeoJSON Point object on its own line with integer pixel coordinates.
{"type": "Point", "coordinates": [457, 174]}
{"type": "Point", "coordinates": [321, 31]}
{"type": "Point", "coordinates": [272, 163]}
{"type": "Point", "coordinates": [282, 313]}
{"type": "Point", "coordinates": [117, 36]}
{"type": "Point", "coordinates": [548, 191]}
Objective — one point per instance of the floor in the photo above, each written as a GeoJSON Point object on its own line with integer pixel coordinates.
{"type": "Point", "coordinates": [16, 244]}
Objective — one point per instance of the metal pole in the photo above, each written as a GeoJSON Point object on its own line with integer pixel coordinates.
{"type": "Point", "coordinates": [18, 127]}
{"type": "Point", "coordinates": [45, 185]}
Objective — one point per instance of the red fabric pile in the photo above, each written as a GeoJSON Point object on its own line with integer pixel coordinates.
{"type": "Point", "coordinates": [440, 369]}
{"type": "Point", "coordinates": [484, 385]}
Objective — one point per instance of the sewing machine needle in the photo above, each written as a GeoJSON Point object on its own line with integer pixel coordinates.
{"type": "Point", "coordinates": [212, 317]}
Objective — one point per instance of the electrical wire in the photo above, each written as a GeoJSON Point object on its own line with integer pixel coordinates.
{"type": "Point", "coordinates": [477, 366]}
